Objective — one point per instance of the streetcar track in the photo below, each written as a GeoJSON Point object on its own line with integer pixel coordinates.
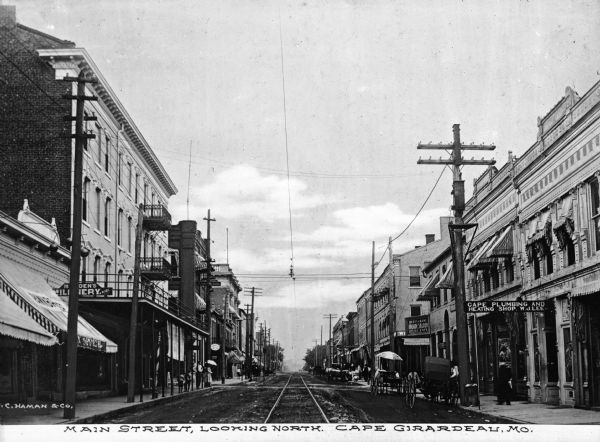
{"type": "Point", "coordinates": [295, 400]}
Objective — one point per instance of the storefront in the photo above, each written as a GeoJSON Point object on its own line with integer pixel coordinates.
{"type": "Point", "coordinates": [415, 345]}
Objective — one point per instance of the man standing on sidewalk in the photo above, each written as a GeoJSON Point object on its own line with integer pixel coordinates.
{"type": "Point", "coordinates": [199, 375]}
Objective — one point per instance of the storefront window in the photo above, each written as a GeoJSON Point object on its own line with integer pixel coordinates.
{"type": "Point", "coordinates": [568, 351]}
{"type": "Point", "coordinates": [551, 345]}
{"type": "Point", "coordinates": [510, 271]}
{"type": "Point", "coordinates": [536, 358]}
{"type": "Point", "coordinates": [595, 206]}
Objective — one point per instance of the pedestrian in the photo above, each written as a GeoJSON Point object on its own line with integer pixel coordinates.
{"type": "Point", "coordinates": [199, 379]}
{"type": "Point", "coordinates": [208, 376]}
{"type": "Point", "coordinates": [188, 380]}
{"type": "Point", "coordinates": [504, 384]}
{"type": "Point", "coordinates": [180, 381]}
{"type": "Point", "coordinates": [454, 389]}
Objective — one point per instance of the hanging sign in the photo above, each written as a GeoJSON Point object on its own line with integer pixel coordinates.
{"type": "Point", "coordinates": [215, 347]}
{"type": "Point", "coordinates": [504, 306]}
{"type": "Point", "coordinates": [86, 290]}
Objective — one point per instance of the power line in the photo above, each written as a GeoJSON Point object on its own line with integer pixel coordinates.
{"type": "Point", "coordinates": [287, 154]}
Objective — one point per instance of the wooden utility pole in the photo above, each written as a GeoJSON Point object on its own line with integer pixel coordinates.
{"type": "Point", "coordinates": [254, 291]}
{"type": "Point", "coordinates": [330, 316]}
{"type": "Point", "coordinates": [316, 341]}
{"type": "Point", "coordinates": [223, 336]}
{"type": "Point", "coordinates": [133, 318]}
{"type": "Point", "coordinates": [73, 314]}
{"type": "Point", "coordinates": [209, 261]}
{"type": "Point", "coordinates": [456, 238]}
{"type": "Point", "coordinates": [392, 300]}
{"type": "Point", "coordinates": [372, 311]}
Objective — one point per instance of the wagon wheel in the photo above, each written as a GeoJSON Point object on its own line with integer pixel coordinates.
{"type": "Point", "coordinates": [411, 393]}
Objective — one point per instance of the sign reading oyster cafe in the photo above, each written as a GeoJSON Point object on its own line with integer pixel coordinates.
{"type": "Point", "coordinates": [417, 325]}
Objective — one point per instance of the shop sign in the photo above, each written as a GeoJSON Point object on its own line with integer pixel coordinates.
{"type": "Point", "coordinates": [215, 347]}
{"type": "Point", "coordinates": [86, 290]}
{"type": "Point", "coordinates": [417, 325]}
{"type": "Point", "coordinates": [504, 306]}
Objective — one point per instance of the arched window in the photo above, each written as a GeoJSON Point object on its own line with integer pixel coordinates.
{"type": "Point", "coordinates": [98, 208]}
{"type": "Point", "coordinates": [119, 281]}
{"type": "Point", "coordinates": [129, 234]}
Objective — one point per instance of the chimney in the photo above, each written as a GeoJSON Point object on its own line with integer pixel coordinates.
{"type": "Point", "coordinates": [444, 232]}
{"type": "Point", "coordinates": [8, 17]}
{"type": "Point", "coordinates": [429, 238]}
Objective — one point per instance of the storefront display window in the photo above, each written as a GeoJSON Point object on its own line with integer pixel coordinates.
{"type": "Point", "coordinates": [551, 345]}
{"type": "Point", "coordinates": [536, 358]}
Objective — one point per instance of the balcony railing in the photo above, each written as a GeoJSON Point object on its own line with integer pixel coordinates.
{"type": "Point", "coordinates": [156, 269]}
{"type": "Point", "coordinates": [119, 286]}
{"type": "Point", "coordinates": [156, 217]}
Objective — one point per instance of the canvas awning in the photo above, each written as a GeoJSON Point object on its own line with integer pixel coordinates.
{"type": "Point", "coordinates": [430, 290]}
{"type": "Point", "coordinates": [34, 296]}
{"type": "Point", "coordinates": [447, 279]}
{"type": "Point", "coordinates": [416, 341]}
{"type": "Point", "coordinates": [503, 246]}
{"type": "Point", "coordinates": [14, 322]}
{"type": "Point", "coordinates": [200, 303]}
{"type": "Point", "coordinates": [234, 312]}
{"type": "Point", "coordinates": [586, 289]}
{"type": "Point", "coordinates": [479, 260]}
{"type": "Point", "coordinates": [537, 227]}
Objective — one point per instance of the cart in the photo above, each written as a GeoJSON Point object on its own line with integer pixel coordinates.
{"type": "Point", "coordinates": [388, 377]}
{"type": "Point", "coordinates": [437, 384]}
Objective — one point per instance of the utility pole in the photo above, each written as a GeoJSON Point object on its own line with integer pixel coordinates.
{"type": "Point", "coordinates": [372, 311]}
{"type": "Point", "coordinates": [209, 261]}
{"type": "Point", "coordinates": [73, 314]}
{"type": "Point", "coordinates": [316, 341]}
{"type": "Point", "coordinates": [456, 238]}
{"type": "Point", "coordinates": [330, 316]}
{"type": "Point", "coordinates": [133, 318]}
{"type": "Point", "coordinates": [253, 291]}
{"type": "Point", "coordinates": [392, 300]}
{"type": "Point", "coordinates": [247, 343]}
{"type": "Point", "coordinates": [223, 335]}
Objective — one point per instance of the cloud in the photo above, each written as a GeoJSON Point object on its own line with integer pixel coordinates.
{"type": "Point", "coordinates": [241, 191]}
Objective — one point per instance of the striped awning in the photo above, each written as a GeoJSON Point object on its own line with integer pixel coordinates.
{"type": "Point", "coordinates": [586, 289]}
{"type": "Point", "coordinates": [200, 303]}
{"type": "Point", "coordinates": [447, 279]}
{"type": "Point", "coordinates": [14, 322]}
{"type": "Point", "coordinates": [480, 260]}
{"type": "Point", "coordinates": [503, 246]}
{"type": "Point", "coordinates": [430, 291]}
{"type": "Point", "coordinates": [234, 312]}
{"type": "Point", "coordinates": [32, 294]}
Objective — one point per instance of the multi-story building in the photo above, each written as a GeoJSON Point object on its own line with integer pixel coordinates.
{"type": "Point", "coordinates": [33, 319]}
{"type": "Point", "coordinates": [122, 178]}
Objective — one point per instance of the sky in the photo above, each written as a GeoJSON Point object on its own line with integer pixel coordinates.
{"type": "Point", "coordinates": [338, 94]}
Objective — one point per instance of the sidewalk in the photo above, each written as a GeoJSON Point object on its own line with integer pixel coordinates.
{"type": "Point", "coordinates": [542, 414]}
{"type": "Point", "coordinates": [91, 408]}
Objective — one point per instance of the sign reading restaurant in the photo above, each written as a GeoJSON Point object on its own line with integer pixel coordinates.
{"type": "Point", "coordinates": [417, 325]}
{"type": "Point", "coordinates": [504, 306]}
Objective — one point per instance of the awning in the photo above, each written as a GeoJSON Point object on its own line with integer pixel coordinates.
{"type": "Point", "coordinates": [503, 246]}
{"type": "Point", "coordinates": [234, 312]}
{"type": "Point", "coordinates": [235, 358]}
{"type": "Point", "coordinates": [355, 349]}
{"type": "Point", "coordinates": [430, 291]}
{"type": "Point", "coordinates": [33, 295]}
{"type": "Point", "coordinates": [416, 341]}
{"type": "Point", "coordinates": [537, 227]}
{"type": "Point", "coordinates": [200, 303]}
{"type": "Point", "coordinates": [447, 279]}
{"type": "Point", "coordinates": [586, 289]}
{"type": "Point", "coordinates": [14, 322]}
{"type": "Point", "coordinates": [479, 259]}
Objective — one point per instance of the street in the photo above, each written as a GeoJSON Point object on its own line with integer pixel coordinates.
{"type": "Point", "coordinates": [341, 403]}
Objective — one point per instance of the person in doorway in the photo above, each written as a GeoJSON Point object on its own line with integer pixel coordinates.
{"type": "Point", "coordinates": [180, 382]}
{"type": "Point", "coordinates": [504, 384]}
